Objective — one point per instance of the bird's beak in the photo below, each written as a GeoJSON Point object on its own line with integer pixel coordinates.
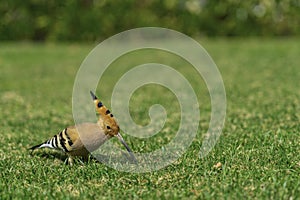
{"type": "Point", "coordinates": [126, 146]}
{"type": "Point", "coordinates": [93, 95]}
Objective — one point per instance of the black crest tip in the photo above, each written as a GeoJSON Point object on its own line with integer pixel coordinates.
{"type": "Point", "coordinates": [93, 95]}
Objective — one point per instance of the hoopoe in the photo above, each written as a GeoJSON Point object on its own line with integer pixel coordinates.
{"type": "Point", "coordinates": [81, 139]}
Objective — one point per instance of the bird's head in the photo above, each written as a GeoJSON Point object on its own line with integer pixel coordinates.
{"type": "Point", "coordinates": [106, 118]}
{"type": "Point", "coordinates": [109, 123]}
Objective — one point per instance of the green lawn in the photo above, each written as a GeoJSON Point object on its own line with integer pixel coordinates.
{"type": "Point", "coordinates": [259, 148]}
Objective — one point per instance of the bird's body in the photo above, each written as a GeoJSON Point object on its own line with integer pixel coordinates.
{"type": "Point", "coordinates": [77, 140]}
{"type": "Point", "coordinates": [81, 139]}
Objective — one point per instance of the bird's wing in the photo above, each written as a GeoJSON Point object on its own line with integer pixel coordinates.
{"type": "Point", "coordinates": [87, 135]}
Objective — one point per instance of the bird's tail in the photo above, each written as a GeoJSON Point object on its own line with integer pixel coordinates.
{"type": "Point", "coordinates": [36, 147]}
{"type": "Point", "coordinates": [51, 143]}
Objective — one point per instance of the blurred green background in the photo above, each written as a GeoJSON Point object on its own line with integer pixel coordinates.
{"type": "Point", "coordinates": [94, 20]}
{"type": "Point", "coordinates": [255, 45]}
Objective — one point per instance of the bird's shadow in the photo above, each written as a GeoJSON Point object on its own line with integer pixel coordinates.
{"type": "Point", "coordinates": [50, 154]}
{"type": "Point", "coordinates": [97, 158]}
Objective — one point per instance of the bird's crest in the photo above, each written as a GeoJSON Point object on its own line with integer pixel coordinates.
{"type": "Point", "coordinates": [106, 118]}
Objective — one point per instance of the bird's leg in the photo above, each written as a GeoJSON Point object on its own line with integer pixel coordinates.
{"type": "Point", "coordinates": [69, 161]}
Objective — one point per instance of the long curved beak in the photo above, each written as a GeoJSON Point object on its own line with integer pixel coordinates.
{"type": "Point", "coordinates": [126, 146]}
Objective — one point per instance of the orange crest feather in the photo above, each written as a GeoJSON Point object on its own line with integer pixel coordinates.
{"type": "Point", "coordinates": [106, 118]}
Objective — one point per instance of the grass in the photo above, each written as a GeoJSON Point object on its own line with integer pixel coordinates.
{"type": "Point", "coordinates": [259, 148]}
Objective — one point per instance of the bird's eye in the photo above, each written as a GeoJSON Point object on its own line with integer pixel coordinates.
{"type": "Point", "coordinates": [108, 127]}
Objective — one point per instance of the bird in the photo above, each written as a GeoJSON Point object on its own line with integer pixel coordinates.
{"type": "Point", "coordinates": [81, 139]}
